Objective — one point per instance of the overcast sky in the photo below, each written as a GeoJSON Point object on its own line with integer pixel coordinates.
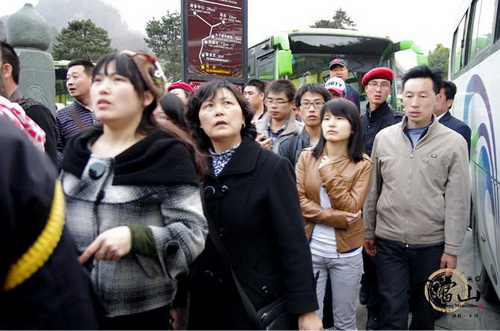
{"type": "Point", "coordinates": [428, 22]}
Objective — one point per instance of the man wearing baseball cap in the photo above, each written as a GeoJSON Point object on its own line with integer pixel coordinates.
{"type": "Point", "coordinates": [338, 68]}
{"type": "Point", "coordinates": [181, 89]}
{"type": "Point", "coordinates": [336, 87]}
{"type": "Point", "coordinates": [378, 115]}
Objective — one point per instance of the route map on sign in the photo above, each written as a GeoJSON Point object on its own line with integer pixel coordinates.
{"type": "Point", "coordinates": [215, 38]}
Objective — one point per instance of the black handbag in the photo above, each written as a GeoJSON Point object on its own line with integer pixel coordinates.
{"type": "Point", "coordinates": [274, 316]}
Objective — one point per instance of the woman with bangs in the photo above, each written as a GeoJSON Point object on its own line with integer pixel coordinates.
{"type": "Point", "coordinates": [132, 194]}
{"type": "Point", "coordinates": [252, 204]}
{"type": "Point", "coordinates": [333, 180]}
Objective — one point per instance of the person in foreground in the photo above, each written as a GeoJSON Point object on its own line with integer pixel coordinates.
{"type": "Point", "coordinates": [332, 180]}
{"type": "Point", "coordinates": [43, 285]}
{"type": "Point", "coordinates": [132, 191]}
{"type": "Point", "coordinates": [252, 202]}
{"type": "Point", "coordinates": [417, 210]}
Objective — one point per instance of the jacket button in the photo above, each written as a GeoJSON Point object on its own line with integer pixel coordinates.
{"type": "Point", "coordinates": [209, 192]}
{"type": "Point", "coordinates": [96, 170]}
{"type": "Point", "coordinates": [224, 189]}
{"type": "Point", "coordinates": [265, 290]}
{"type": "Point", "coordinates": [222, 232]}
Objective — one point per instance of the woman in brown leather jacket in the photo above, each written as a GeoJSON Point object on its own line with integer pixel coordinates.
{"type": "Point", "coordinates": [333, 180]}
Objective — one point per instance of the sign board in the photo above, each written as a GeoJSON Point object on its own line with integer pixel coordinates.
{"type": "Point", "coordinates": [214, 40]}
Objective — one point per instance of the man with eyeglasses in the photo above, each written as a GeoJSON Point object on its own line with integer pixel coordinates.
{"type": "Point", "coordinates": [309, 99]}
{"type": "Point", "coordinates": [378, 115]}
{"type": "Point", "coordinates": [279, 120]}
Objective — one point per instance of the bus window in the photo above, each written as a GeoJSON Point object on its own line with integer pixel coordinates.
{"type": "Point", "coordinates": [458, 52]}
{"type": "Point", "coordinates": [266, 67]}
{"type": "Point", "coordinates": [482, 28]}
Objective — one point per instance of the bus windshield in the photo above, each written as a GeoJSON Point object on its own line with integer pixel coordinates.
{"type": "Point", "coordinates": [304, 56]}
{"type": "Point", "coordinates": [312, 54]}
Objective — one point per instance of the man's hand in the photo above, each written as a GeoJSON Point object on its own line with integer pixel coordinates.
{"type": "Point", "coordinates": [263, 141]}
{"type": "Point", "coordinates": [369, 246]}
{"type": "Point", "coordinates": [448, 261]}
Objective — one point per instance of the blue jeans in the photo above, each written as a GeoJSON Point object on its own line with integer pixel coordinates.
{"type": "Point", "coordinates": [402, 273]}
{"type": "Point", "coordinates": [345, 275]}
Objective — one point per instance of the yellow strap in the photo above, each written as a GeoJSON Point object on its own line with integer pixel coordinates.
{"type": "Point", "coordinates": [36, 256]}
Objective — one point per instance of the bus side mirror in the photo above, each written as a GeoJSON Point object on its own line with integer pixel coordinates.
{"type": "Point", "coordinates": [284, 62]}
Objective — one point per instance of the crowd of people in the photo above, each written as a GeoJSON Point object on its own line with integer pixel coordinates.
{"type": "Point", "coordinates": [162, 206]}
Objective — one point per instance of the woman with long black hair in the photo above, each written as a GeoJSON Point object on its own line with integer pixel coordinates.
{"type": "Point", "coordinates": [333, 179]}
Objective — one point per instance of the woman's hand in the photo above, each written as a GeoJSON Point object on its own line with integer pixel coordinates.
{"type": "Point", "coordinates": [310, 321]}
{"type": "Point", "coordinates": [112, 244]}
{"type": "Point", "coordinates": [324, 161]}
{"type": "Point", "coordinates": [352, 218]}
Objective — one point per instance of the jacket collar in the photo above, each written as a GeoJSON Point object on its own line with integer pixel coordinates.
{"type": "Point", "coordinates": [431, 128]}
{"type": "Point", "coordinates": [446, 116]}
{"type": "Point", "coordinates": [157, 159]}
{"type": "Point", "coordinates": [244, 159]}
{"type": "Point", "coordinates": [381, 111]}
{"type": "Point", "coordinates": [291, 125]}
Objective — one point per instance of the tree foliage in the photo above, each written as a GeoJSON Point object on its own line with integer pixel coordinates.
{"type": "Point", "coordinates": [438, 59]}
{"type": "Point", "coordinates": [340, 20]}
{"type": "Point", "coordinates": [164, 38]}
{"type": "Point", "coordinates": [82, 39]}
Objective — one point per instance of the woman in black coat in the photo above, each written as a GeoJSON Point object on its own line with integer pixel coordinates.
{"type": "Point", "coordinates": [251, 198]}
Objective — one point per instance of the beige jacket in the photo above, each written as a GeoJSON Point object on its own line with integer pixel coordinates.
{"type": "Point", "coordinates": [419, 195]}
{"type": "Point", "coordinates": [292, 127]}
{"type": "Point", "coordinates": [346, 183]}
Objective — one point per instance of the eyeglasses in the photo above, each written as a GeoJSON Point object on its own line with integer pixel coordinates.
{"type": "Point", "coordinates": [280, 102]}
{"type": "Point", "coordinates": [307, 104]}
{"type": "Point", "coordinates": [374, 85]}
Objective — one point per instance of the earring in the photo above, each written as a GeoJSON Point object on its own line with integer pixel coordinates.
{"type": "Point", "coordinates": [243, 126]}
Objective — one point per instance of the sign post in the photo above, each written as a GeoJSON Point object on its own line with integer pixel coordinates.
{"type": "Point", "coordinates": [214, 35]}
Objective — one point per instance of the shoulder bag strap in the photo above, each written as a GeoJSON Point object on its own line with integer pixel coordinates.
{"type": "Point", "coordinates": [219, 246]}
{"type": "Point", "coordinates": [76, 117]}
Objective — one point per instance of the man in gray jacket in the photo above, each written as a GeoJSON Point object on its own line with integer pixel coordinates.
{"type": "Point", "coordinates": [416, 211]}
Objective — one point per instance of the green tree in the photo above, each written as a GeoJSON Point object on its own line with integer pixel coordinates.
{"type": "Point", "coordinates": [82, 39]}
{"type": "Point", "coordinates": [438, 59]}
{"type": "Point", "coordinates": [340, 20]}
{"type": "Point", "coordinates": [164, 38]}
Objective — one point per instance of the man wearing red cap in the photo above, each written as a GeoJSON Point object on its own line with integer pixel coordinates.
{"type": "Point", "coordinates": [378, 115]}
{"type": "Point", "coordinates": [338, 68]}
{"type": "Point", "coordinates": [182, 90]}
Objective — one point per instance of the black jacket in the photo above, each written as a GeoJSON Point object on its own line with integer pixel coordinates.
{"type": "Point", "coordinates": [42, 116]}
{"type": "Point", "coordinates": [458, 126]}
{"type": "Point", "coordinates": [58, 295]}
{"type": "Point", "coordinates": [255, 207]}
{"type": "Point", "coordinates": [374, 121]}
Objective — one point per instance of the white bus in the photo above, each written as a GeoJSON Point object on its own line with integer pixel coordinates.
{"type": "Point", "coordinates": [475, 69]}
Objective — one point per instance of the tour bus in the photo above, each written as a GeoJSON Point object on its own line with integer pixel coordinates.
{"type": "Point", "coordinates": [62, 96]}
{"type": "Point", "coordinates": [474, 61]}
{"type": "Point", "coordinates": [303, 56]}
